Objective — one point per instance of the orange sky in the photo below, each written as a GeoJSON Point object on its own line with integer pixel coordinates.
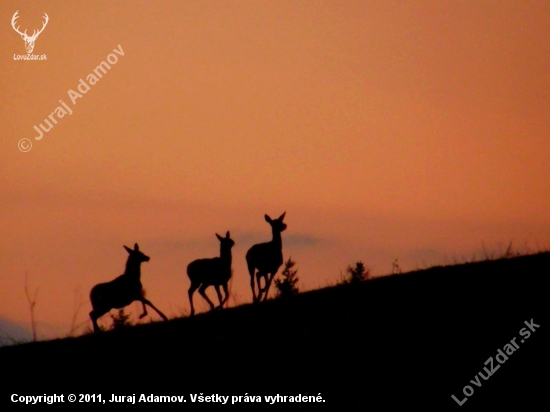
{"type": "Point", "coordinates": [385, 129]}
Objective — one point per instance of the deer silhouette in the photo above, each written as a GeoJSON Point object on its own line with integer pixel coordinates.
{"type": "Point", "coordinates": [211, 272]}
{"type": "Point", "coordinates": [267, 258]}
{"type": "Point", "coordinates": [121, 291]}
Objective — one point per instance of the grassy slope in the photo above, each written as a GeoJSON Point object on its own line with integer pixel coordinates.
{"type": "Point", "coordinates": [410, 339]}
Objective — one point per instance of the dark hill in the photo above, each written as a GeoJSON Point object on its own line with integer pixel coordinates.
{"type": "Point", "coordinates": [412, 340]}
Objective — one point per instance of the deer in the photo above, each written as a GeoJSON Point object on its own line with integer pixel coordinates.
{"type": "Point", "coordinates": [121, 291]}
{"type": "Point", "coordinates": [212, 272]}
{"type": "Point", "coordinates": [267, 258]}
{"type": "Point", "coordinates": [29, 40]}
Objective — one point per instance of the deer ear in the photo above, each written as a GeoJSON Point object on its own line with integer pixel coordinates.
{"type": "Point", "coordinates": [136, 247]}
{"type": "Point", "coordinates": [128, 249]}
{"type": "Point", "coordinates": [282, 216]}
{"type": "Point", "coordinates": [268, 219]}
{"type": "Point", "coordinates": [219, 237]}
{"type": "Point", "coordinates": [227, 235]}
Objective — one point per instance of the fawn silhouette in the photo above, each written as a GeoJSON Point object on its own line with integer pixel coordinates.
{"type": "Point", "coordinates": [267, 258]}
{"type": "Point", "coordinates": [211, 272]}
{"type": "Point", "coordinates": [121, 291]}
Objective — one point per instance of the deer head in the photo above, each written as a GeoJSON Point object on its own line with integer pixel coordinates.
{"type": "Point", "coordinates": [226, 241]}
{"type": "Point", "coordinates": [277, 224]}
{"type": "Point", "coordinates": [29, 40]}
{"type": "Point", "coordinates": [136, 255]}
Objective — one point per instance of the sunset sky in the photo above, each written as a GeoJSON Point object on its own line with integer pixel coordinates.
{"type": "Point", "coordinates": [409, 130]}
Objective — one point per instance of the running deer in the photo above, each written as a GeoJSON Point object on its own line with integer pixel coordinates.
{"type": "Point", "coordinates": [211, 272]}
{"type": "Point", "coordinates": [121, 291]}
{"type": "Point", "coordinates": [267, 258]}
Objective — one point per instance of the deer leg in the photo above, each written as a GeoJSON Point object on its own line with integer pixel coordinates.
{"type": "Point", "coordinates": [192, 290]}
{"type": "Point", "coordinates": [94, 317]}
{"type": "Point", "coordinates": [268, 283]}
{"type": "Point", "coordinates": [253, 288]}
{"type": "Point", "coordinates": [146, 302]}
{"type": "Point", "coordinates": [144, 311]}
{"type": "Point", "coordinates": [217, 287]}
{"type": "Point", "coordinates": [251, 270]}
{"type": "Point", "coordinates": [226, 290]}
{"type": "Point", "coordinates": [201, 291]}
{"type": "Point", "coordinates": [259, 276]}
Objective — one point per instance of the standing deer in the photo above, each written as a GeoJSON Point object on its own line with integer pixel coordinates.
{"type": "Point", "coordinates": [212, 272]}
{"type": "Point", "coordinates": [267, 258]}
{"type": "Point", "coordinates": [29, 40]}
{"type": "Point", "coordinates": [121, 291]}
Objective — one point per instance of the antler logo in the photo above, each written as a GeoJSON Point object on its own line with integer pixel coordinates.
{"type": "Point", "coordinates": [29, 40]}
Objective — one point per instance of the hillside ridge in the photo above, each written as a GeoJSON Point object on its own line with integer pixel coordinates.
{"type": "Point", "coordinates": [380, 334]}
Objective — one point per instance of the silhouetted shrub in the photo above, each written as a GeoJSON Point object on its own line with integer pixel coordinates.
{"type": "Point", "coordinates": [356, 274]}
{"type": "Point", "coordinates": [120, 320]}
{"type": "Point", "coordinates": [396, 269]}
{"type": "Point", "coordinates": [286, 286]}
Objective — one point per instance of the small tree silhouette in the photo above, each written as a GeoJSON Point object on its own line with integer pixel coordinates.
{"type": "Point", "coordinates": [286, 286]}
{"type": "Point", "coordinates": [32, 303]}
{"type": "Point", "coordinates": [396, 269]}
{"type": "Point", "coordinates": [121, 320]}
{"type": "Point", "coordinates": [356, 274]}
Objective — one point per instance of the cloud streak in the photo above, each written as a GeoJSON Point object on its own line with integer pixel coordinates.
{"type": "Point", "coordinates": [247, 238]}
{"type": "Point", "coordinates": [12, 332]}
